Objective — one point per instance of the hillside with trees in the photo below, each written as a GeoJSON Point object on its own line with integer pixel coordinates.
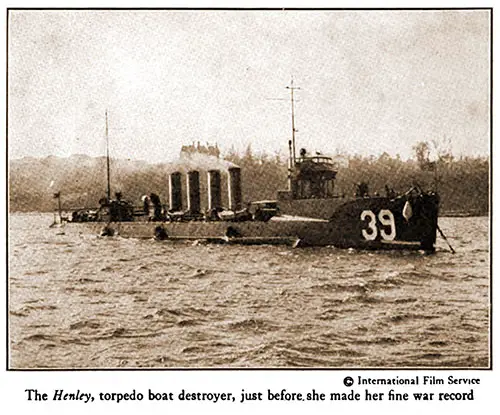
{"type": "Point", "coordinates": [463, 183]}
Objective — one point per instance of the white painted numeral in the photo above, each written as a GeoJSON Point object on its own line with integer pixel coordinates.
{"type": "Point", "coordinates": [372, 225]}
{"type": "Point", "coordinates": [386, 219]}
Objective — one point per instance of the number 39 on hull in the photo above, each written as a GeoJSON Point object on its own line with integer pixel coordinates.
{"type": "Point", "coordinates": [405, 222]}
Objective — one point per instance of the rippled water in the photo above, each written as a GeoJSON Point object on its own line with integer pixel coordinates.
{"type": "Point", "coordinates": [90, 302]}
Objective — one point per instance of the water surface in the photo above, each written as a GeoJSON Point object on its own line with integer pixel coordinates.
{"type": "Point", "coordinates": [91, 302]}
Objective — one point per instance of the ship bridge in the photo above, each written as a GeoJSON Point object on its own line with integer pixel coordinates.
{"type": "Point", "coordinates": [313, 177]}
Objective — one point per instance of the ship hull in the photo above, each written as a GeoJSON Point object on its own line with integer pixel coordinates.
{"type": "Point", "coordinates": [364, 223]}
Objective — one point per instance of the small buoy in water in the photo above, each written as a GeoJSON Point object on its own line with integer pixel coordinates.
{"type": "Point", "coordinates": [107, 231]}
{"type": "Point", "coordinates": [407, 211]}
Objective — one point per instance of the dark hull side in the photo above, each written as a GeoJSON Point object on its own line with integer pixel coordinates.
{"type": "Point", "coordinates": [380, 222]}
{"type": "Point", "coordinates": [365, 223]}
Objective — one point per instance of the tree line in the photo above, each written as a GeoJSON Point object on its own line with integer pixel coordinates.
{"type": "Point", "coordinates": [462, 183]}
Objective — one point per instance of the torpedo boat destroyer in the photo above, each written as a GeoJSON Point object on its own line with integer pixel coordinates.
{"type": "Point", "coordinates": [309, 213]}
{"type": "Point", "coordinates": [407, 221]}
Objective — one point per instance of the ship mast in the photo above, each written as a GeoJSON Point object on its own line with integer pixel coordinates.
{"type": "Point", "coordinates": [292, 88]}
{"type": "Point", "coordinates": [108, 189]}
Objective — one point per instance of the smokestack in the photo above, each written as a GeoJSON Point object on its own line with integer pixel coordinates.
{"type": "Point", "coordinates": [193, 191]}
{"type": "Point", "coordinates": [175, 191]}
{"type": "Point", "coordinates": [234, 188]}
{"type": "Point", "coordinates": [214, 189]}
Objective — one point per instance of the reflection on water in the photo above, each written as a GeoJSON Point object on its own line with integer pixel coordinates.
{"type": "Point", "coordinates": [85, 302]}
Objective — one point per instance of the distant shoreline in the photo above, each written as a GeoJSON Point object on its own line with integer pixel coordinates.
{"type": "Point", "coordinates": [446, 214]}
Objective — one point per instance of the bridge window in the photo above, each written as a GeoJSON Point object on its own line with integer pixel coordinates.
{"type": "Point", "coordinates": [314, 189]}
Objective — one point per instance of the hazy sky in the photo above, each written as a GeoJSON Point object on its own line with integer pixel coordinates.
{"type": "Point", "coordinates": [371, 81]}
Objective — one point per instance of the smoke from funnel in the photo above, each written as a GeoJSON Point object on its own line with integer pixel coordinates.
{"type": "Point", "coordinates": [198, 161]}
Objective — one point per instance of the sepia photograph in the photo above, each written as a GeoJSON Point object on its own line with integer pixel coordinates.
{"type": "Point", "coordinates": [249, 188]}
